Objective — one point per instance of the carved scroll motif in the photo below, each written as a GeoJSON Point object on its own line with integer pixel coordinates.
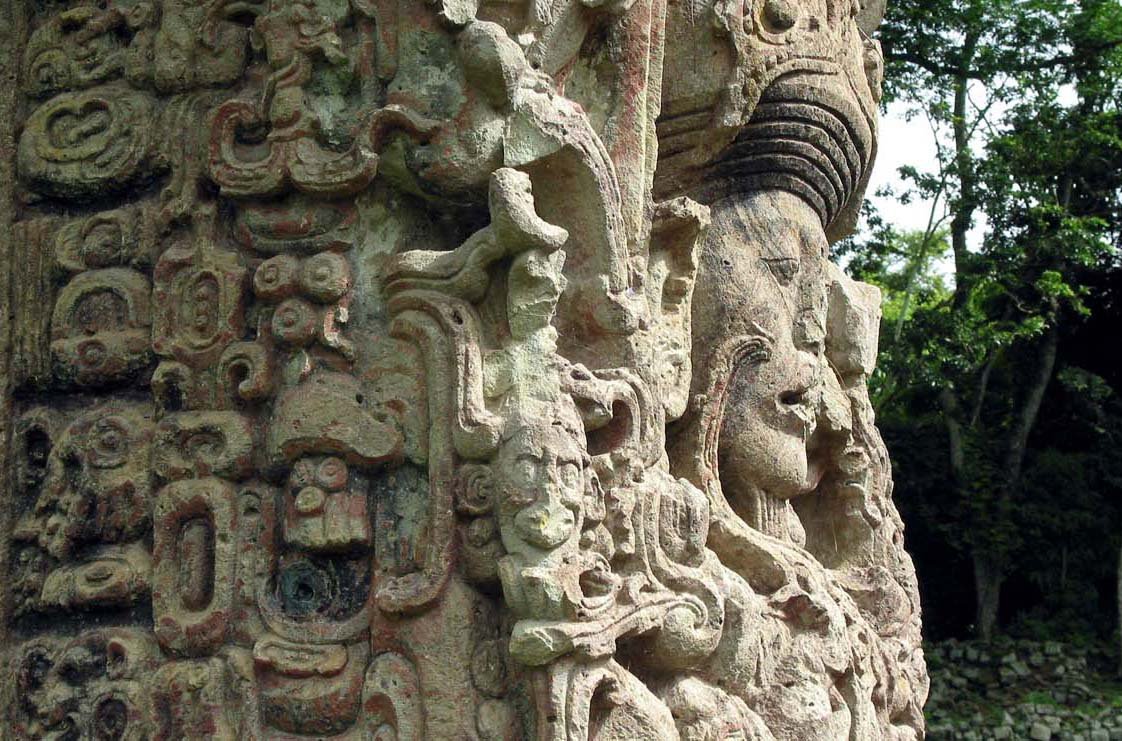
{"type": "Point", "coordinates": [77, 145]}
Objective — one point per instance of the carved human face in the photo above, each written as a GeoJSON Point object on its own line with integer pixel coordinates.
{"type": "Point", "coordinates": [767, 423]}
{"type": "Point", "coordinates": [326, 511]}
{"type": "Point", "coordinates": [88, 687]}
{"type": "Point", "coordinates": [98, 484]}
{"type": "Point", "coordinates": [539, 475]}
{"type": "Point", "coordinates": [770, 414]}
{"type": "Point", "coordinates": [761, 279]}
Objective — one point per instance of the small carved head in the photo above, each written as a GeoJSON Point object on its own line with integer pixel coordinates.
{"type": "Point", "coordinates": [98, 484]}
{"type": "Point", "coordinates": [87, 687]}
{"type": "Point", "coordinates": [541, 476]}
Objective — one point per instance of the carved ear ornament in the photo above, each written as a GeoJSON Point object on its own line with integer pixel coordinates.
{"type": "Point", "coordinates": [729, 356]}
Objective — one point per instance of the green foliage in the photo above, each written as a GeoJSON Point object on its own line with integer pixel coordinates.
{"type": "Point", "coordinates": [1039, 697]}
{"type": "Point", "coordinates": [1024, 102]}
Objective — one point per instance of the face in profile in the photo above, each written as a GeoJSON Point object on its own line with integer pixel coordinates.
{"type": "Point", "coordinates": [765, 281]}
{"type": "Point", "coordinates": [768, 422]}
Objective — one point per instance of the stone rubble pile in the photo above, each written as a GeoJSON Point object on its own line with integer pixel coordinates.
{"type": "Point", "coordinates": [1039, 691]}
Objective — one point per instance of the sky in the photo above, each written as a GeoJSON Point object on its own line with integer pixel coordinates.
{"type": "Point", "coordinates": [903, 142]}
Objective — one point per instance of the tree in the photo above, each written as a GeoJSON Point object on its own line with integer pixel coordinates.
{"type": "Point", "coordinates": [995, 80]}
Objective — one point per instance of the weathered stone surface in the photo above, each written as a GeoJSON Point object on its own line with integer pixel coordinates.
{"type": "Point", "coordinates": [433, 369]}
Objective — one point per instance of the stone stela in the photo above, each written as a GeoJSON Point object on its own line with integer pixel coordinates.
{"type": "Point", "coordinates": [444, 369]}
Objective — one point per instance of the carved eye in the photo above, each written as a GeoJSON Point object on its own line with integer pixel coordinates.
{"type": "Point", "coordinates": [325, 277]}
{"type": "Point", "coordinates": [332, 474]}
{"type": "Point", "coordinates": [525, 472]}
{"type": "Point", "coordinates": [111, 718]}
{"type": "Point", "coordinates": [303, 473]}
{"type": "Point", "coordinates": [569, 474]}
{"type": "Point", "coordinates": [109, 444]}
{"type": "Point", "coordinates": [34, 669]}
{"type": "Point", "coordinates": [783, 268]}
{"type": "Point", "coordinates": [776, 21]}
{"type": "Point", "coordinates": [779, 16]}
{"type": "Point", "coordinates": [276, 277]}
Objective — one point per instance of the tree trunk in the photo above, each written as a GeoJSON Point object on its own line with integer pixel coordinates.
{"type": "Point", "coordinates": [1018, 443]}
{"type": "Point", "coordinates": [988, 567]}
{"type": "Point", "coordinates": [988, 573]}
{"type": "Point", "coordinates": [1120, 610]}
{"type": "Point", "coordinates": [988, 578]}
{"type": "Point", "coordinates": [967, 201]}
{"type": "Point", "coordinates": [949, 404]}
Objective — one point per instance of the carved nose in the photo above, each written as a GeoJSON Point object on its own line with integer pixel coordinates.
{"type": "Point", "coordinates": [545, 526]}
{"type": "Point", "coordinates": [803, 381]}
{"type": "Point", "coordinates": [781, 15]}
{"type": "Point", "coordinates": [794, 397]}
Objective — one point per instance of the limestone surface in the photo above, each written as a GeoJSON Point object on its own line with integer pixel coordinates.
{"type": "Point", "coordinates": [443, 369]}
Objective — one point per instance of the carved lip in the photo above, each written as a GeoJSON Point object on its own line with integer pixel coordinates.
{"type": "Point", "coordinates": [300, 660]}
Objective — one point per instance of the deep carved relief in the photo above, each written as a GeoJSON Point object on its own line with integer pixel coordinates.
{"type": "Point", "coordinates": [429, 369]}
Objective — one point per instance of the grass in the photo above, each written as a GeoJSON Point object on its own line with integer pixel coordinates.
{"type": "Point", "coordinates": [1039, 697]}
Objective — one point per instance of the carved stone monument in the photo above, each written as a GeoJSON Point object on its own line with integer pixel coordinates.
{"type": "Point", "coordinates": [443, 369]}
